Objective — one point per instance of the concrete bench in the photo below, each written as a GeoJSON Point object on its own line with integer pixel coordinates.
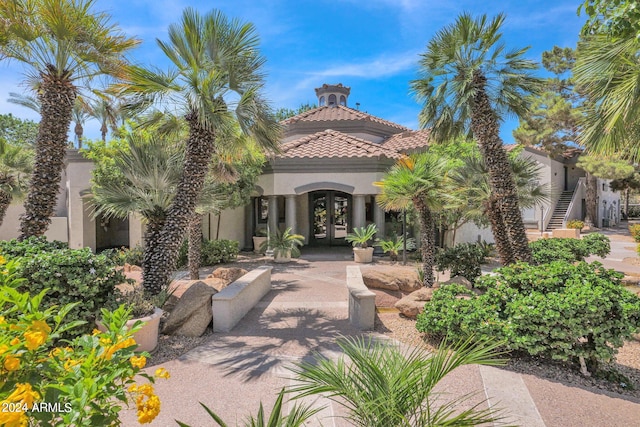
{"type": "Point", "coordinates": [362, 302]}
{"type": "Point", "coordinates": [232, 303]}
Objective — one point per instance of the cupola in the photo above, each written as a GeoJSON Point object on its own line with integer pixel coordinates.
{"type": "Point", "coordinates": [332, 95]}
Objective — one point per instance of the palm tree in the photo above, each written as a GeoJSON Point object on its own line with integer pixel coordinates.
{"type": "Point", "coordinates": [16, 164]}
{"type": "Point", "coordinates": [468, 83]}
{"type": "Point", "coordinates": [470, 191]}
{"type": "Point", "coordinates": [216, 76]}
{"type": "Point", "coordinates": [607, 71]}
{"type": "Point", "coordinates": [79, 116]}
{"type": "Point", "coordinates": [147, 173]}
{"type": "Point", "coordinates": [61, 41]}
{"type": "Point", "coordinates": [381, 386]}
{"type": "Point", "coordinates": [105, 110]}
{"type": "Point", "coordinates": [418, 180]}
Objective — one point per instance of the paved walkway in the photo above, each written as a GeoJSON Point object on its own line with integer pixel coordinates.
{"type": "Point", "coordinates": [303, 315]}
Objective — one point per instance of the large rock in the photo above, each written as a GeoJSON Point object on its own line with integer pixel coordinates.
{"type": "Point", "coordinates": [393, 279]}
{"type": "Point", "coordinates": [460, 281]}
{"type": "Point", "coordinates": [192, 313]}
{"type": "Point", "coordinates": [413, 304]}
{"type": "Point", "coordinates": [230, 274]}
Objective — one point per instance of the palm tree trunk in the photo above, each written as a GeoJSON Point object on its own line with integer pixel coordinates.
{"type": "Point", "coordinates": [79, 131]}
{"type": "Point", "coordinates": [5, 201]}
{"type": "Point", "coordinates": [196, 167]}
{"type": "Point", "coordinates": [103, 131]}
{"type": "Point", "coordinates": [591, 204]}
{"type": "Point", "coordinates": [152, 237]}
{"type": "Point", "coordinates": [427, 241]}
{"type": "Point", "coordinates": [485, 128]}
{"type": "Point", "coordinates": [503, 245]}
{"type": "Point", "coordinates": [56, 97]}
{"type": "Point", "coordinates": [195, 246]}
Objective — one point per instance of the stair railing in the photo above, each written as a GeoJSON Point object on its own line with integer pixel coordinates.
{"type": "Point", "coordinates": [574, 197]}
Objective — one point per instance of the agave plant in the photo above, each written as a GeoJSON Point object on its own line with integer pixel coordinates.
{"type": "Point", "coordinates": [395, 244]}
{"type": "Point", "coordinates": [283, 243]}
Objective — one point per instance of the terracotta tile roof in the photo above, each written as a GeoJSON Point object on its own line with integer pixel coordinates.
{"type": "Point", "coordinates": [338, 112]}
{"type": "Point", "coordinates": [408, 140]}
{"type": "Point", "coordinates": [331, 143]}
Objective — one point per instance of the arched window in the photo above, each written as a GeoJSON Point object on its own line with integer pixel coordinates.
{"type": "Point", "coordinates": [343, 100]}
{"type": "Point", "coordinates": [332, 99]}
{"type": "Point", "coordinates": [321, 101]}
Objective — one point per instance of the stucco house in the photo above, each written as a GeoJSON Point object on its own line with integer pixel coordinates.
{"type": "Point", "coordinates": [320, 185]}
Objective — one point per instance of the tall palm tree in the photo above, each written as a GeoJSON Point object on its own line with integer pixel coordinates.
{"type": "Point", "coordinates": [79, 116]}
{"type": "Point", "coordinates": [16, 164]}
{"type": "Point", "coordinates": [216, 75]}
{"type": "Point", "coordinates": [469, 191]}
{"type": "Point", "coordinates": [61, 42]}
{"type": "Point", "coordinates": [418, 180]}
{"type": "Point", "coordinates": [105, 110]}
{"type": "Point", "coordinates": [608, 73]}
{"type": "Point", "coordinates": [468, 82]}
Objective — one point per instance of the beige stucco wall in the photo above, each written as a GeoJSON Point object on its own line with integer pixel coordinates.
{"type": "Point", "coordinates": [10, 228]}
{"type": "Point", "coordinates": [231, 225]}
{"type": "Point", "coordinates": [286, 183]}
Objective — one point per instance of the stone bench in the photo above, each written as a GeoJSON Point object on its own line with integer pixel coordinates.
{"type": "Point", "coordinates": [362, 302]}
{"type": "Point", "coordinates": [232, 303]}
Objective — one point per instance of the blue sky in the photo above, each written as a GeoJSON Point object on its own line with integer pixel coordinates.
{"type": "Point", "coordinates": [373, 46]}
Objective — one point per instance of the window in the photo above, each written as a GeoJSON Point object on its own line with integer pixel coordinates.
{"type": "Point", "coordinates": [262, 209]}
{"type": "Point", "coordinates": [332, 99]}
{"type": "Point", "coordinates": [343, 100]}
{"type": "Point", "coordinates": [321, 101]}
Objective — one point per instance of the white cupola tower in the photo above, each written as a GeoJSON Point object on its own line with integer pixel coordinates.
{"type": "Point", "coordinates": [332, 95]}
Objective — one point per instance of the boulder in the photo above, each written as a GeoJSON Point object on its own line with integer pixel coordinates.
{"type": "Point", "coordinates": [413, 304]}
{"type": "Point", "coordinates": [230, 274]}
{"type": "Point", "coordinates": [392, 279]}
{"type": "Point", "coordinates": [192, 313]}
{"type": "Point", "coordinates": [130, 267]}
{"type": "Point", "coordinates": [460, 281]}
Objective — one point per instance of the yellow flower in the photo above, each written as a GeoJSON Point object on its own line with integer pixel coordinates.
{"type": "Point", "coordinates": [138, 361]}
{"type": "Point", "coordinates": [15, 341]}
{"type": "Point", "coordinates": [11, 363]}
{"type": "Point", "coordinates": [70, 363]}
{"type": "Point", "coordinates": [105, 341]}
{"type": "Point", "coordinates": [3, 260]}
{"type": "Point", "coordinates": [95, 332]}
{"type": "Point", "coordinates": [3, 348]}
{"type": "Point", "coordinates": [148, 410]}
{"type": "Point", "coordinates": [34, 339]}
{"type": "Point", "coordinates": [13, 419]}
{"type": "Point", "coordinates": [2, 320]}
{"type": "Point", "coordinates": [24, 393]}
{"type": "Point", "coordinates": [162, 373]}
{"type": "Point", "coordinates": [40, 326]}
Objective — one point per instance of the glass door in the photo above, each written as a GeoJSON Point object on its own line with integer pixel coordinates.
{"type": "Point", "coordinates": [330, 217]}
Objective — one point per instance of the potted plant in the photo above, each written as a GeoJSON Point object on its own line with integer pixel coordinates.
{"type": "Point", "coordinates": [360, 238]}
{"type": "Point", "coordinates": [577, 225]}
{"type": "Point", "coordinates": [146, 309]}
{"type": "Point", "coordinates": [259, 239]}
{"type": "Point", "coordinates": [284, 245]}
{"type": "Point", "coordinates": [394, 245]}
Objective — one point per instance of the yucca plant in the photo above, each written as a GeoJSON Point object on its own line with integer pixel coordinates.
{"type": "Point", "coordinates": [361, 236]}
{"type": "Point", "coordinates": [381, 385]}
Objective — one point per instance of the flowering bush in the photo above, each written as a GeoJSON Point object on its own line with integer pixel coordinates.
{"type": "Point", "coordinates": [80, 382]}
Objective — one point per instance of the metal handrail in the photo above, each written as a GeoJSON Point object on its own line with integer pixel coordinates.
{"type": "Point", "coordinates": [573, 199]}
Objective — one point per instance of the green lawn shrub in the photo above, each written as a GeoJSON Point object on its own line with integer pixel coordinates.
{"type": "Point", "coordinates": [558, 311]}
{"type": "Point", "coordinates": [30, 246]}
{"type": "Point", "coordinates": [635, 231]}
{"type": "Point", "coordinates": [72, 276]}
{"type": "Point", "coordinates": [545, 251]}
{"type": "Point", "coordinates": [463, 260]}
{"type": "Point", "coordinates": [576, 224]}
{"type": "Point", "coordinates": [213, 252]}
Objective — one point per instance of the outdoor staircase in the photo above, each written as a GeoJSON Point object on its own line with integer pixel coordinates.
{"type": "Point", "coordinates": [560, 211]}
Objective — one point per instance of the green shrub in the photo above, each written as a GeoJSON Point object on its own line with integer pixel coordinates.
{"type": "Point", "coordinates": [559, 311]}
{"type": "Point", "coordinates": [635, 231]}
{"type": "Point", "coordinates": [33, 245]}
{"type": "Point", "coordinates": [462, 260]}
{"type": "Point", "coordinates": [73, 276]}
{"type": "Point", "coordinates": [213, 252]}
{"type": "Point", "coordinates": [575, 223]}
{"type": "Point", "coordinates": [545, 251]}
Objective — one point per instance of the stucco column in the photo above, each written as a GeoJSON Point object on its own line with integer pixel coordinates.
{"type": "Point", "coordinates": [359, 211]}
{"type": "Point", "coordinates": [248, 224]}
{"type": "Point", "coordinates": [273, 214]}
{"type": "Point", "coordinates": [290, 213]}
{"type": "Point", "coordinates": [378, 218]}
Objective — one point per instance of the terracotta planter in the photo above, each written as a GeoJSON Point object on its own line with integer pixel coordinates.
{"type": "Point", "coordinates": [257, 242]}
{"type": "Point", "coordinates": [282, 256]}
{"type": "Point", "coordinates": [363, 255]}
{"type": "Point", "coordinates": [147, 335]}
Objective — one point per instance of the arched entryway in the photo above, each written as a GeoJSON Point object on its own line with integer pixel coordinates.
{"type": "Point", "coordinates": [330, 217]}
